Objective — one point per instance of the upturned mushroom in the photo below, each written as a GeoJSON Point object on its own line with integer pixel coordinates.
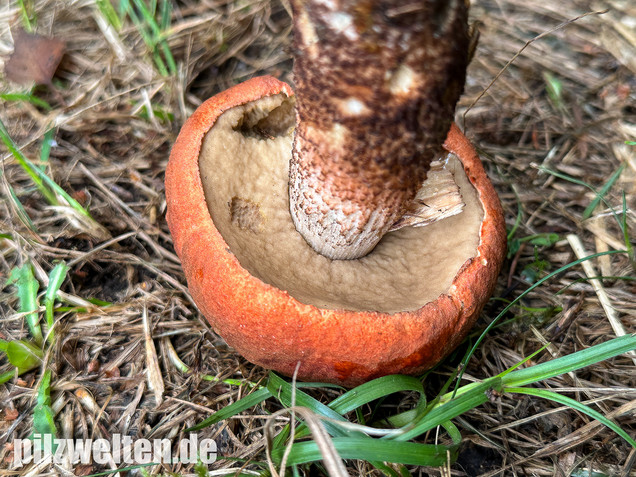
{"type": "Point", "coordinates": [292, 213]}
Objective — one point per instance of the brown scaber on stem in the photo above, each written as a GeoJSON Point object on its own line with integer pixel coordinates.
{"type": "Point", "coordinates": [376, 87]}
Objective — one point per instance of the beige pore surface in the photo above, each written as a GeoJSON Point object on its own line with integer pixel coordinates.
{"type": "Point", "coordinates": [244, 165]}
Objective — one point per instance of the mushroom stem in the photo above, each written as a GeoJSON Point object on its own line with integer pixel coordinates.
{"type": "Point", "coordinates": [376, 86]}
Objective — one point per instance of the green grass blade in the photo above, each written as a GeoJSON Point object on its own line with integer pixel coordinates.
{"type": "Point", "coordinates": [27, 15]}
{"type": "Point", "coordinates": [24, 355]}
{"type": "Point", "coordinates": [149, 19]}
{"type": "Point", "coordinates": [165, 14]}
{"type": "Point", "coordinates": [19, 209]}
{"type": "Point", "coordinates": [359, 396]}
{"type": "Point", "coordinates": [150, 42]}
{"type": "Point", "coordinates": [55, 187]}
{"type": "Point", "coordinates": [233, 409]}
{"type": "Point", "coordinates": [282, 390]}
{"type": "Point", "coordinates": [523, 361]}
{"type": "Point", "coordinates": [516, 300]}
{"type": "Point", "coordinates": [183, 368]}
{"type": "Point", "coordinates": [27, 291]}
{"type": "Point", "coordinates": [47, 186]}
{"type": "Point", "coordinates": [448, 409]}
{"type": "Point", "coordinates": [571, 362]}
{"type": "Point", "coordinates": [402, 419]}
{"type": "Point", "coordinates": [6, 376]}
{"type": "Point", "coordinates": [108, 12]}
{"type": "Point", "coordinates": [45, 152]}
{"type": "Point", "coordinates": [554, 88]}
{"type": "Point", "coordinates": [628, 242]}
{"type": "Point", "coordinates": [98, 302]}
{"type": "Point", "coordinates": [23, 216]}
{"type": "Point", "coordinates": [369, 449]}
{"type": "Point", "coordinates": [56, 277]}
{"type": "Point", "coordinates": [43, 415]}
{"type": "Point", "coordinates": [589, 210]}
{"type": "Point", "coordinates": [385, 469]}
{"type": "Point", "coordinates": [552, 396]}
{"type": "Point", "coordinates": [541, 240]}
{"type": "Point", "coordinates": [33, 172]}
{"type": "Point", "coordinates": [574, 180]}
{"type": "Point", "coordinates": [406, 418]}
{"type": "Point", "coordinates": [376, 389]}
{"type": "Point", "coordinates": [27, 98]}
{"type": "Point", "coordinates": [69, 200]}
{"type": "Point", "coordinates": [124, 6]}
{"type": "Point", "coordinates": [172, 65]}
{"type": "Point", "coordinates": [141, 27]}
{"type": "Point", "coordinates": [453, 432]}
{"type": "Point", "coordinates": [154, 38]}
{"type": "Point", "coordinates": [132, 13]}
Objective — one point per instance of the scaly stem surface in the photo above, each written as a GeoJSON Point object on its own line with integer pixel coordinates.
{"type": "Point", "coordinates": [376, 88]}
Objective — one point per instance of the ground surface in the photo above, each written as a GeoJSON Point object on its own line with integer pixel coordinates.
{"type": "Point", "coordinates": [566, 105]}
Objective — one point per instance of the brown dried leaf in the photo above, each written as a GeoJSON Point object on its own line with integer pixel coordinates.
{"type": "Point", "coordinates": [34, 59]}
{"type": "Point", "coordinates": [83, 470]}
{"type": "Point", "coordinates": [11, 414]}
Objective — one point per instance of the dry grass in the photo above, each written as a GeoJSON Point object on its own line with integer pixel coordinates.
{"type": "Point", "coordinates": [110, 154]}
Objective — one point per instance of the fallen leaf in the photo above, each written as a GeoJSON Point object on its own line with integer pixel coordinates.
{"type": "Point", "coordinates": [34, 59]}
{"type": "Point", "coordinates": [111, 372]}
{"type": "Point", "coordinates": [11, 414]}
{"type": "Point", "coordinates": [83, 469]}
{"type": "Point", "coordinates": [93, 366]}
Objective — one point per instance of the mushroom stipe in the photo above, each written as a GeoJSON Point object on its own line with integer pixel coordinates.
{"type": "Point", "coordinates": [272, 323]}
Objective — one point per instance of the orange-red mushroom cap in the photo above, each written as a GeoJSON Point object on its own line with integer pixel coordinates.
{"type": "Point", "coordinates": [271, 328]}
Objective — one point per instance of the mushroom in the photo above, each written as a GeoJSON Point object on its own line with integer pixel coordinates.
{"type": "Point", "coordinates": [276, 265]}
